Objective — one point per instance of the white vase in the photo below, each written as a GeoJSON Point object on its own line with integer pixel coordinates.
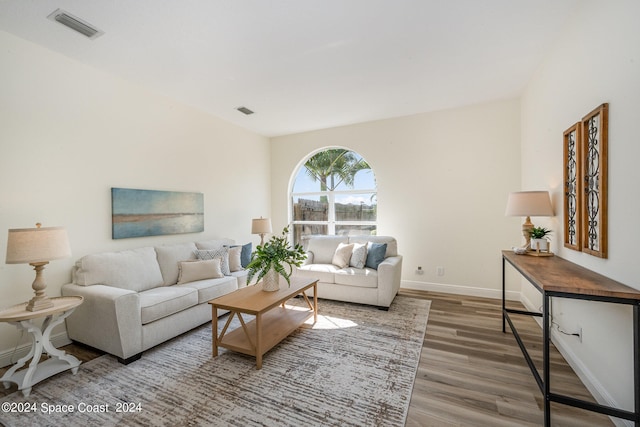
{"type": "Point", "coordinates": [271, 281]}
{"type": "Point", "coordinates": [539, 244]}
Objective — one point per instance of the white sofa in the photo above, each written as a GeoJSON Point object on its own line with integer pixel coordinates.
{"type": "Point", "coordinates": [375, 284]}
{"type": "Point", "coordinates": [137, 299]}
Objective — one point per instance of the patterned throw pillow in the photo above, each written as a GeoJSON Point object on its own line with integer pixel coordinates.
{"type": "Point", "coordinates": [359, 255]}
{"type": "Point", "coordinates": [222, 253]}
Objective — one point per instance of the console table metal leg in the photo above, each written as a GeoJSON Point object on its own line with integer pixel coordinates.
{"type": "Point", "coordinates": [636, 362]}
{"type": "Point", "coordinates": [504, 326]}
{"type": "Point", "coordinates": [545, 358]}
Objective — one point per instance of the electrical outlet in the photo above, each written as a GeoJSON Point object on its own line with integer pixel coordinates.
{"type": "Point", "coordinates": [419, 270]}
{"type": "Point", "coordinates": [440, 271]}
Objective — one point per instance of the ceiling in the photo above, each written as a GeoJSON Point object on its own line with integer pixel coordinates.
{"type": "Point", "coordinates": [306, 64]}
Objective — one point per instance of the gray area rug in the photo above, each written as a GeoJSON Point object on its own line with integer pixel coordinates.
{"type": "Point", "coordinates": [355, 367]}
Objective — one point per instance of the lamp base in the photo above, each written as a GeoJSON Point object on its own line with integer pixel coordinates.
{"type": "Point", "coordinates": [38, 303]}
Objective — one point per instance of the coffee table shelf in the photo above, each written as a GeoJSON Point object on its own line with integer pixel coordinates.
{"type": "Point", "coordinates": [273, 321]}
{"type": "Point", "coordinates": [277, 324]}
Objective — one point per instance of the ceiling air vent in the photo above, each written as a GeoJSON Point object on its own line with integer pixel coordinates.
{"type": "Point", "coordinates": [244, 110]}
{"type": "Point", "coordinates": [75, 23]}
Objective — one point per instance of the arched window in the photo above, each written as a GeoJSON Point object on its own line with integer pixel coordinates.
{"type": "Point", "coordinates": [334, 193]}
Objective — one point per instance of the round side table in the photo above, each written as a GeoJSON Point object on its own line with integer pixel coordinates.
{"type": "Point", "coordinates": [58, 361]}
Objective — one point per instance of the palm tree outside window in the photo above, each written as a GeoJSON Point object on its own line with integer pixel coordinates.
{"type": "Point", "coordinates": [334, 193]}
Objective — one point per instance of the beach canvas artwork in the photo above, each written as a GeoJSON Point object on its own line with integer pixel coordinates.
{"type": "Point", "coordinates": [139, 213]}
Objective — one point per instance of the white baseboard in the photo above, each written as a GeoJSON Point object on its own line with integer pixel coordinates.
{"type": "Point", "coordinates": [597, 390]}
{"type": "Point", "coordinates": [460, 290]}
{"type": "Point", "coordinates": [9, 357]}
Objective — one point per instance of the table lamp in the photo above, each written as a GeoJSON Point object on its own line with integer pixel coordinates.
{"type": "Point", "coordinates": [261, 226]}
{"type": "Point", "coordinates": [528, 204]}
{"type": "Point", "coordinates": [36, 247]}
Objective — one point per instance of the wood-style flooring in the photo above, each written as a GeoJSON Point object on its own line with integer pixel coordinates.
{"type": "Point", "coordinates": [470, 373]}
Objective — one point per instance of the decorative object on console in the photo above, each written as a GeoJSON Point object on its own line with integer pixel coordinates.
{"type": "Point", "coordinates": [36, 247]}
{"type": "Point", "coordinates": [528, 204]}
{"type": "Point", "coordinates": [261, 226]}
{"type": "Point", "coordinates": [539, 241]}
{"type": "Point", "coordinates": [138, 213]}
{"type": "Point", "coordinates": [268, 261]}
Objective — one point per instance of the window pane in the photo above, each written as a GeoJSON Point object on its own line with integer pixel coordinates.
{"type": "Point", "coordinates": [356, 207]}
{"type": "Point", "coordinates": [302, 232]}
{"type": "Point", "coordinates": [310, 208]}
{"type": "Point", "coordinates": [356, 230]}
{"type": "Point", "coordinates": [363, 180]}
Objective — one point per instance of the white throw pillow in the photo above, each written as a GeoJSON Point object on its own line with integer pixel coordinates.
{"type": "Point", "coordinates": [342, 256]}
{"type": "Point", "coordinates": [235, 259]}
{"type": "Point", "coordinates": [222, 253]}
{"type": "Point", "coordinates": [190, 271]}
{"type": "Point", "coordinates": [359, 255]}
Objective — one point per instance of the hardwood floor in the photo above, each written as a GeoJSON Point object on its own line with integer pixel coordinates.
{"type": "Point", "coordinates": [470, 373]}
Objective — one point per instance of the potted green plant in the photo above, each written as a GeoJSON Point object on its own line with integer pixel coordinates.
{"type": "Point", "coordinates": [269, 261]}
{"type": "Point", "coordinates": [539, 240]}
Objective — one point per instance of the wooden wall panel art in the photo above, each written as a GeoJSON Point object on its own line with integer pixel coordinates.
{"type": "Point", "coordinates": [594, 172]}
{"type": "Point", "coordinates": [572, 187]}
{"type": "Point", "coordinates": [585, 183]}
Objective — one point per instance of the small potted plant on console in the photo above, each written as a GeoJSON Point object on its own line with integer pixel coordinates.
{"type": "Point", "coordinates": [539, 240]}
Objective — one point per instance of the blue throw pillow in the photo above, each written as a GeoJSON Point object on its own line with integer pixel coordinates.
{"type": "Point", "coordinates": [245, 255]}
{"type": "Point", "coordinates": [375, 255]}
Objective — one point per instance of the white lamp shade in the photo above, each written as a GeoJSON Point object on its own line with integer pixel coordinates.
{"type": "Point", "coordinates": [30, 245]}
{"type": "Point", "coordinates": [260, 226]}
{"type": "Point", "coordinates": [529, 203]}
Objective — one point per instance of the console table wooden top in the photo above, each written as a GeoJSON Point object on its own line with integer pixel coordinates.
{"type": "Point", "coordinates": [555, 274]}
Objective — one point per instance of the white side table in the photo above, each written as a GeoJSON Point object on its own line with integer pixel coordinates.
{"type": "Point", "coordinates": [41, 338]}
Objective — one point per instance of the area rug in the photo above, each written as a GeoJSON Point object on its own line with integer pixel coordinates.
{"type": "Point", "coordinates": [355, 367]}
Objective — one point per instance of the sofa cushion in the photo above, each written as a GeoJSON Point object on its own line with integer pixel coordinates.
{"type": "Point", "coordinates": [169, 257]}
{"type": "Point", "coordinates": [235, 258]}
{"type": "Point", "coordinates": [324, 247]}
{"type": "Point", "coordinates": [375, 254]}
{"type": "Point", "coordinates": [165, 300]}
{"type": "Point", "coordinates": [342, 255]}
{"type": "Point", "coordinates": [221, 253]}
{"type": "Point", "coordinates": [135, 269]}
{"type": "Point", "coordinates": [190, 271]}
{"type": "Point", "coordinates": [392, 243]}
{"type": "Point", "coordinates": [322, 272]}
{"type": "Point", "coordinates": [212, 288]}
{"type": "Point", "coordinates": [359, 255]}
{"type": "Point", "coordinates": [362, 277]}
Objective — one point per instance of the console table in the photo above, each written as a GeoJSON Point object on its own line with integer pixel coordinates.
{"type": "Point", "coordinates": [555, 277]}
{"type": "Point", "coordinates": [58, 360]}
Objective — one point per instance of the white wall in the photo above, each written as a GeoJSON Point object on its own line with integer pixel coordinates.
{"type": "Point", "coordinates": [443, 180]}
{"type": "Point", "coordinates": [68, 133]}
{"type": "Point", "coordinates": [597, 60]}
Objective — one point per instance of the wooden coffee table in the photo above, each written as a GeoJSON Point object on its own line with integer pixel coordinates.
{"type": "Point", "coordinates": [273, 320]}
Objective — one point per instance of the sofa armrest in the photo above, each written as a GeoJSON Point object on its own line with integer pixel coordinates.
{"type": "Point", "coordinates": [109, 319]}
{"type": "Point", "coordinates": [309, 259]}
{"type": "Point", "coordinates": [389, 277]}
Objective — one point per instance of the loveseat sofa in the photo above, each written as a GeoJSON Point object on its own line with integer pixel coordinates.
{"type": "Point", "coordinates": [136, 299]}
{"type": "Point", "coordinates": [360, 269]}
